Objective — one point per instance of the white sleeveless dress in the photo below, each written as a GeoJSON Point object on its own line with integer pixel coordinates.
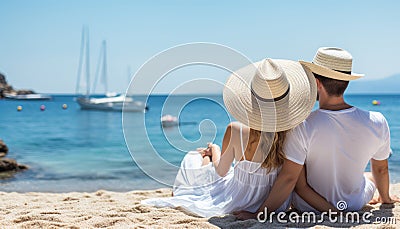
{"type": "Point", "coordinates": [200, 190]}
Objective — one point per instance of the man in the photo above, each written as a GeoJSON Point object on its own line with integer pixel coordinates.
{"type": "Point", "coordinates": [335, 143]}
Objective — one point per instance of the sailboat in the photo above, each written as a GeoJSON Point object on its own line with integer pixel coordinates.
{"type": "Point", "coordinates": [112, 101]}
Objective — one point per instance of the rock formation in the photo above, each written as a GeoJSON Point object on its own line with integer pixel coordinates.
{"type": "Point", "coordinates": [8, 166]}
{"type": "Point", "coordinates": [3, 149]}
{"type": "Point", "coordinates": [6, 88]}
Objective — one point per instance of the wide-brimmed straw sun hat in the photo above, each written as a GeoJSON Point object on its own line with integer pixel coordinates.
{"type": "Point", "coordinates": [271, 95]}
{"type": "Point", "coordinates": [334, 63]}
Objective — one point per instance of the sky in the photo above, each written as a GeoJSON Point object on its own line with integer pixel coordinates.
{"type": "Point", "coordinates": [40, 40]}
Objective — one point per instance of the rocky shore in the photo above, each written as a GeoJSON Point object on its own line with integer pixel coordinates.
{"type": "Point", "coordinates": [8, 166]}
{"type": "Point", "coordinates": [5, 88]}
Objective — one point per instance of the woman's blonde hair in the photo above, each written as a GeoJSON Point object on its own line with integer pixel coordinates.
{"type": "Point", "coordinates": [272, 141]}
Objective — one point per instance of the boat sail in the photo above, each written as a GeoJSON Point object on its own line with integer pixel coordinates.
{"type": "Point", "coordinates": [112, 101]}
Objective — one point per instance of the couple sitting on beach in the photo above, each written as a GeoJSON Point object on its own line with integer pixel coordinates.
{"type": "Point", "coordinates": [284, 156]}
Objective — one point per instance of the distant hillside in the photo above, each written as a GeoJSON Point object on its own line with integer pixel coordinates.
{"type": "Point", "coordinates": [390, 85]}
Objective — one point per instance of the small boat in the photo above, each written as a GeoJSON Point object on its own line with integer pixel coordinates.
{"type": "Point", "coordinates": [169, 121]}
{"type": "Point", "coordinates": [27, 96]}
{"type": "Point", "coordinates": [111, 104]}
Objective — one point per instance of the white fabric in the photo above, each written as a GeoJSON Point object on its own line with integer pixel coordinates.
{"type": "Point", "coordinates": [367, 195]}
{"type": "Point", "coordinates": [336, 147]}
{"type": "Point", "coordinates": [201, 191]}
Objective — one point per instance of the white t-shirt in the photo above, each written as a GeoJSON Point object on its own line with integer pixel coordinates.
{"type": "Point", "coordinates": [336, 147]}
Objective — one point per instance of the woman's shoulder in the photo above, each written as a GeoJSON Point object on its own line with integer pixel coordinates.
{"type": "Point", "coordinates": [237, 126]}
{"type": "Point", "coordinates": [234, 129]}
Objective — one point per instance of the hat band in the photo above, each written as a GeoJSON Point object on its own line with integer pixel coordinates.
{"type": "Point", "coordinates": [270, 100]}
{"type": "Point", "coordinates": [345, 72]}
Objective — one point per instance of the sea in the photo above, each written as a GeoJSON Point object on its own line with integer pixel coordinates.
{"type": "Point", "coordinates": [84, 150]}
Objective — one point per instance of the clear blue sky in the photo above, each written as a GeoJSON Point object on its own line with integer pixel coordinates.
{"type": "Point", "coordinates": [40, 40]}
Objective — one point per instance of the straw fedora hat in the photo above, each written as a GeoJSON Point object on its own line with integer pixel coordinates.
{"type": "Point", "coordinates": [271, 95]}
{"type": "Point", "coordinates": [334, 63]}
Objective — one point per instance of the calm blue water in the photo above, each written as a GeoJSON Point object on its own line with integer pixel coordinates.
{"type": "Point", "coordinates": [76, 150]}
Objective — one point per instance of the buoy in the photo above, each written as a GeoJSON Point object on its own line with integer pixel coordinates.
{"type": "Point", "coordinates": [64, 106]}
{"type": "Point", "coordinates": [376, 102]}
{"type": "Point", "coordinates": [19, 108]}
{"type": "Point", "coordinates": [42, 107]}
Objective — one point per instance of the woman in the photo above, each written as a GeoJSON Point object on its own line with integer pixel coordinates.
{"type": "Point", "coordinates": [268, 98]}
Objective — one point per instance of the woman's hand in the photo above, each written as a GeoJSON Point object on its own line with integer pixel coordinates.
{"type": "Point", "coordinates": [216, 156]}
{"type": "Point", "coordinates": [204, 152]}
{"type": "Point", "coordinates": [214, 149]}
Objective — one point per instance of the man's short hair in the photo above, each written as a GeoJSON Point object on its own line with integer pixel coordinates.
{"type": "Point", "coordinates": [333, 87]}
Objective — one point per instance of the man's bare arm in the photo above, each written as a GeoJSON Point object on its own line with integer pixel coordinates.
{"type": "Point", "coordinates": [380, 173]}
{"type": "Point", "coordinates": [310, 195]}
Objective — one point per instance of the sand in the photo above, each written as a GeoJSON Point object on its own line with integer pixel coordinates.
{"type": "Point", "coordinates": [123, 210]}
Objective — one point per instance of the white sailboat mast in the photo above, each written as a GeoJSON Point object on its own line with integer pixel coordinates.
{"type": "Point", "coordinates": [78, 81]}
{"type": "Point", "coordinates": [87, 64]}
{"type": "Point", "coordinates": [101, 65]}
{"type": "Point", "coordinates": [104, 78]}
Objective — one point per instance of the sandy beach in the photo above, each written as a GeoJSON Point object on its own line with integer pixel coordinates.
{"type": "Point", "coordinates": [123, 209]}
